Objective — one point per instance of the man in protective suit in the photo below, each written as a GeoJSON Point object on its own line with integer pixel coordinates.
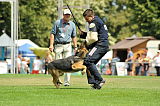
{"type": "Point", "coordinates": [97, 43]}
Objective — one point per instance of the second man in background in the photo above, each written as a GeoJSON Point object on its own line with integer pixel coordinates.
{"type": "Point", "coordinates": [62, 33]}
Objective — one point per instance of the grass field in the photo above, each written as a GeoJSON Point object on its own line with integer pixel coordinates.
{"type": "Point", "coordinates": [38, 90]}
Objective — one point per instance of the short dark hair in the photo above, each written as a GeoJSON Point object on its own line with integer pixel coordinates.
{"type": "Point", "coordinates": [88, 12]}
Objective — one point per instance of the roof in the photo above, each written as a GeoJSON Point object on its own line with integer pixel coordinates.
{"type": "Point", "coordinates": [21, 42]}
{"type": "Point", "coordinates": [130, 42]}
{"type": "Point", "coordinates": [5, 40]}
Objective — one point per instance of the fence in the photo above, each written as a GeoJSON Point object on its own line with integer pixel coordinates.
{"type": "Point", "coordinates": [120, 68]}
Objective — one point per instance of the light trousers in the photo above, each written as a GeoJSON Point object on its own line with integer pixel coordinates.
{"type": "Point", "coordinates": [63, 51]}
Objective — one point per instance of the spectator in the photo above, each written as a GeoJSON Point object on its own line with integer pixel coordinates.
{"type": "Point", "coordinates": [37, 65]}
{"type": "Point", "coordinates": [146, 61]}
{"type": "Point", "coordinates": [24, 66]}
{"type": "Point", "coordinates": [19, 62]}
{"type": "Point", "coordinates": [157, 62]}
{"type": "Point", "coordinates": [62, 34]}
{"type": "Point", "coordinates": [129, 61]}
{"type": "Point", "coordinates": [113, 64]}
{"type": "Point", "coordinates": [138, 63]}
{"type": "Point", "coordinates": [108, 68]}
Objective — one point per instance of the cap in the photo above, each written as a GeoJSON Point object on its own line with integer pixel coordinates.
{"type": "Point", "coordinates": [66, 11]}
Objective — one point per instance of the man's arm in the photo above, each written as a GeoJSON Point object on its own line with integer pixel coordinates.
{"type": "Point", "coordinates": [131, 58]}
{"type": "Point", "coordinates": [74, 42]}
{"type": "Point", "coordinates": [51, 47]}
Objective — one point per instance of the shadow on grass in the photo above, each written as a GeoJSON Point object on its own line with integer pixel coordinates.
{"type": "Point", "coordinates": [65, 88]}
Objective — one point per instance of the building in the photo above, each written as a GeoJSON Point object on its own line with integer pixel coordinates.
{"type": "Point", "coordinates": [136, 44]}
{"type": "Point", "coordinates": [5, 46]}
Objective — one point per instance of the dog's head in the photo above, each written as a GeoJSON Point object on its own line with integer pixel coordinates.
{"type": "Point", "coordinates": [82, 51]}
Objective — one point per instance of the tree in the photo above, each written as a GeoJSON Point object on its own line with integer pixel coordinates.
{"type": "Point", "coordinates": [36, 18]}
{"type": "Point", "coordinates": [147, 16]}
{"type": "Point", "coordinates": [123, 18]}
{"type": "Point", "coordinates": [5, 17]}
{"type": "Point", "coordinates": [116, 15]}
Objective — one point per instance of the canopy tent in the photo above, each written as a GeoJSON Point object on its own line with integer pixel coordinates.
{"type": "Point", "coordinates": [5, 38]}
{"type": "Point", "coordinates": [21, 42]}
{"type": "Point", "coordinates": [25, 51]}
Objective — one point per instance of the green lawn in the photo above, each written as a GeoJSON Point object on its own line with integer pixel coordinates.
{"type": "Point", "coordinates": [38, 90]}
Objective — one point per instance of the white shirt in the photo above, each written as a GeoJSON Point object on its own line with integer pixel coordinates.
{"type": "Point", "coordinates": [37, 64]}
{"type": "Point", "coordinates": [157, 61]}
{"type": "Point", "coordinates": [19, 61]}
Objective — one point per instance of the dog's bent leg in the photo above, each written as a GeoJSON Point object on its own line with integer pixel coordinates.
{"type": "Point", "coordinates": [52, 72]}
{"type": "Point", "coordinates": [56, 80]}
{"type": "Point", "coordinates": [55, 75]}
{"type": "Point", "coordinates": [59, 80]}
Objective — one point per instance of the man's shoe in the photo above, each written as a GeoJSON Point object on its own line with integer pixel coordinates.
{"type": "Point", "coordinates": [66, 84]}
{"type": "Point", "coordinates": [102, 83]}
{"type": "Point", "coordinates": [96, 86]}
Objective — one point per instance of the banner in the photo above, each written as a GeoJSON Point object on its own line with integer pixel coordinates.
{"type": "Point", "coordinates": [121, 68]}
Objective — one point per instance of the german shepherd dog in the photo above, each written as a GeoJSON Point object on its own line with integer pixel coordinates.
{"type": "Point", "coordinates": [67, 65]}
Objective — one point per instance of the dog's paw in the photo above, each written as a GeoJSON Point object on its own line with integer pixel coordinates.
{"type": "Point", "coordinates": [57, 86]}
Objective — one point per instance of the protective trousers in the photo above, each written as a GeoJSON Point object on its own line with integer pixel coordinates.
{"type": "Point", "coordinates": [95, 54]}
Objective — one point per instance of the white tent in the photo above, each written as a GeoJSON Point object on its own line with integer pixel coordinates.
{"type": "Point", "coordinates": [153, 46]}
{"type": "Point", "coordinates": [108, 56]}
{"type": "Point", "coordinates": [21, 42]}
{"type": "Point", "coordinates": [5, 40]}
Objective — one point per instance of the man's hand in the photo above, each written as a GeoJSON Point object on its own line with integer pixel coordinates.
{"type": "Point", "coordinates": [51, 48]}
{"type": "Point", "coordinates": [75, 50]}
